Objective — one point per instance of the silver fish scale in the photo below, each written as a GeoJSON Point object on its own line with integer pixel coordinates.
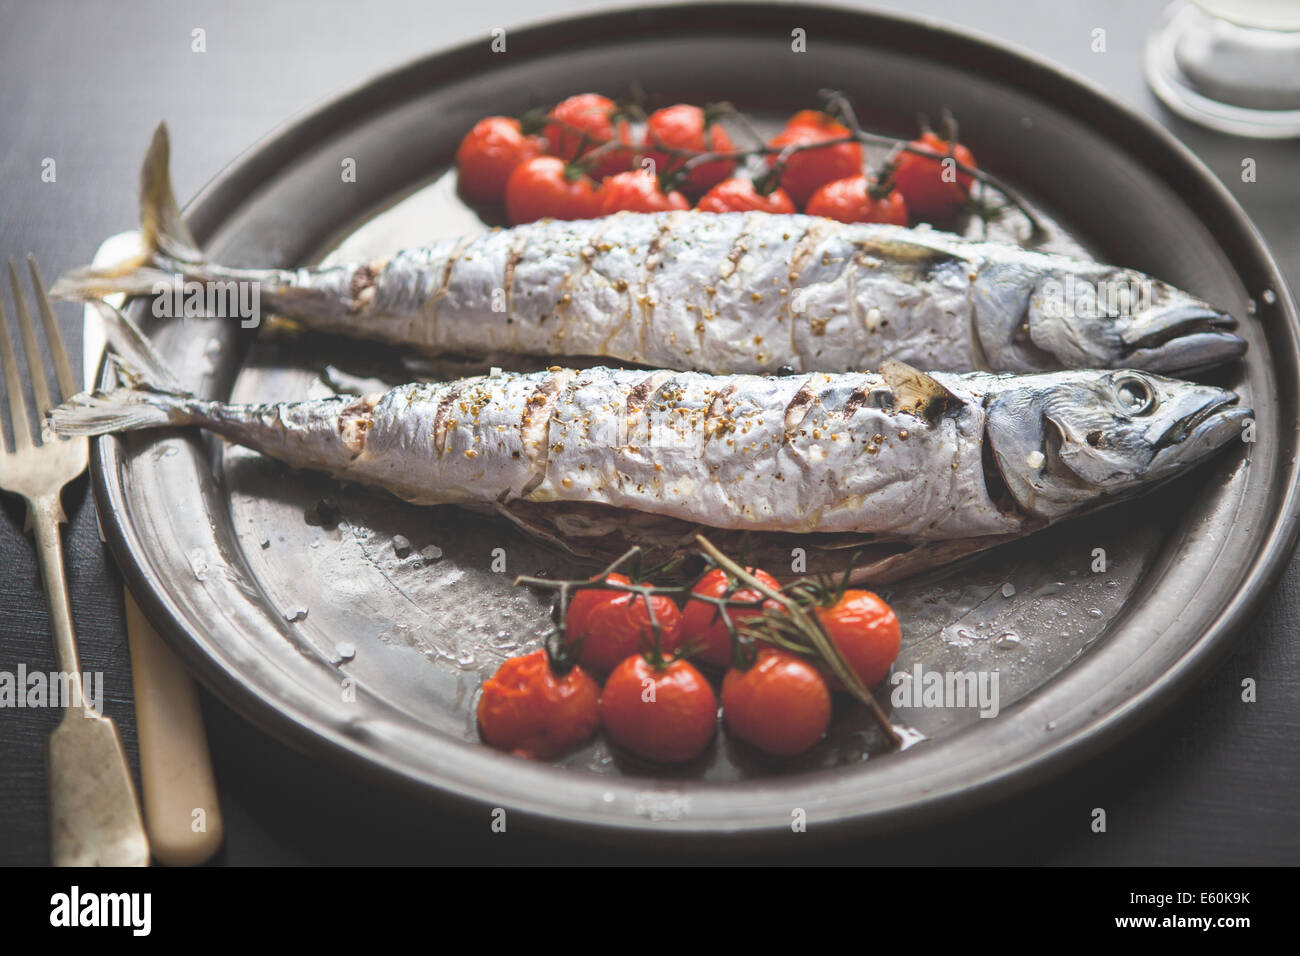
{"type": "Point", "coordinates": [792, 453]}
{"type": "Point", "coordinates": [463, 307]}
{"type": "Point", "coordinates": [395, 309]}
{"type": "Point", "coordinates": [746, 292]}
{"type": "Point", "coordinates": [607, 304]}
{"type": "Point", "coordinates": [859, 309]}
{"type": "Point", "coordinates": [732, 292]}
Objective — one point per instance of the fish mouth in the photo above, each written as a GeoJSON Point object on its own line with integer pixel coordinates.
{"type": "Point", "coordinates": [1184, 338]}
{"type": "Point", "coordinates": [1212, 425]}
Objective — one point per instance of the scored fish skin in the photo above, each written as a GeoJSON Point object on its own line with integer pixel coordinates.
{"type": "Point", "coordinates": [898, 455]}
{"type": "Point", "coordinates": [739, 292]}
{"type": "Point", "coordinates": [729, 292]}
{"type": "Point", "coordinates": [736, 452]}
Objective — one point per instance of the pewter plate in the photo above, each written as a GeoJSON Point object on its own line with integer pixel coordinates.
{"type": "Point", "coordinates": [286, 595]}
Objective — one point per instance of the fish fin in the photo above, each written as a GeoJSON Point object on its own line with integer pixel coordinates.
{"type": "Point", "coordinates": [923, 557]}
{"type": "Point", "coordinates": [132, 277]}
{"type": "Point", "coordinates": [150, 398]}
{"type": "Point", "coordinates": [119, 410]}
{"type": "Point", "coordinates": [134, 354]}
{"type": "Point", "coordinates": [161, 226]}
{"type": "Point", "coordinates": [168, 246]}
{"type": "Point", "coordinates": [914, 390]}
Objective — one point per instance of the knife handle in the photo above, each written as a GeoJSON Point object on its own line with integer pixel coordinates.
{"type": "Point", "coordinates": [181, 812]}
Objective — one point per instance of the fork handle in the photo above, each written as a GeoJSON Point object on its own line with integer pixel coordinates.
{"type": "Point", "coordinates": [94, 814]}
{"type": "Point", "coordinates": [44, 515]}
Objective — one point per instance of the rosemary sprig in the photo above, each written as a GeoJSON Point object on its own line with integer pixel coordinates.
{"type": "Point", "coordinates": [809, 627]}
{"type": "Point", "coordinates": [794, 628]}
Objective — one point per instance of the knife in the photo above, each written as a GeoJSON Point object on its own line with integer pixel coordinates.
{"type": "Point", "coordinates": [181, 813]}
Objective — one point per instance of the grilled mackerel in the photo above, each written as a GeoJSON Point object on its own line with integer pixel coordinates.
{"type": "Point", "coordinates": [722, 293]}
{"type": "Point", "coordinates": [945, 462]}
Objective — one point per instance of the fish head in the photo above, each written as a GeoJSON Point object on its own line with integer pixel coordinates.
{"type": "Point", "coordinates": [1098, 317]}
{"type": "Point", "coordinates": [1062, 441]}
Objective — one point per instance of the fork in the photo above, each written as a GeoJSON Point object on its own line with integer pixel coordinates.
{"type": "Point", "coordinates": [94, 815]}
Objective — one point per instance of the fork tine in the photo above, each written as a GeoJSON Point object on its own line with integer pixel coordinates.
{"type": "Point", "coordinates": [17, 404]}
{"type": "Point", "coordinates": [35, 357]}
{"type": "Point", "coordinates": [62, 368]}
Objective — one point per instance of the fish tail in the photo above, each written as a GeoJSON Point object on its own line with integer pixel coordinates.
{"type": "Point", "coordinates": [149, 398]}
{"type": "Point", "coordinates": [129, 408]}
{"type": "Point", "coordinates": [168, 246]}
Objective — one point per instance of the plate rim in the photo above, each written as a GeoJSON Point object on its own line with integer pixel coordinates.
{"type": "Point", "coordinates": [1143, 138]}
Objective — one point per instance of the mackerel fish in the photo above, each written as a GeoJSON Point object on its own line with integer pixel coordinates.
{"type": "Point", "coordinates": [720, 293]}
{"type": "Point", "coordinates": [923, 467]}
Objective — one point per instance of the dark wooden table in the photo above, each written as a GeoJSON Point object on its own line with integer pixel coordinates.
{"type": "Point", "coordinates": [1213, 781]}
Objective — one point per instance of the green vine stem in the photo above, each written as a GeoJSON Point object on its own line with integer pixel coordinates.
{"type": "Point", "coordinates": [793, 614]}
{"type": "Point", "coordinates": [694, 158]}
{"type": "Point", "coordinates": [811, 627]}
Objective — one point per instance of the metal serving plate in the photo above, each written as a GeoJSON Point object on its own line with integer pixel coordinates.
{"type": "Point", "coordinates": [284, 592]}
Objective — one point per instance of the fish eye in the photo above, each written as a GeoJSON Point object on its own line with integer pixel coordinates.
{"type": "Point", "coordinates": [1134, 395]}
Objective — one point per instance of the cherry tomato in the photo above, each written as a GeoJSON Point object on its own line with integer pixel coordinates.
{"type": "Point", "coordinates": [545, 186]}
{"type": "Point", "coordinates": [637, 191]}
{"type": "Point", "coordinates": [739, 195]}
{"type": "Point", "coordinates": [866, 632]}
{"type": "Point", "coordinates": [685, 127]}
{"type": "Point", "coordinates": [584, 122]}
{"type": "Point", "coordinates": [810, 169]}
{"type": "Point", "coordinates": [933, 189]}
{"type": "Point", "coordinates": [525, 708]}
{"type": "Point", "coordinates": [815, 118]}
{"type": "Point", "coordinates": [615, 624]}
{"type": "Point", "coordinates": [667, 714]}
{"type": "Point", "coordinates": [851, 200]}
{"type": "Point", "coordinates": [582, 602]}
{"type": "Point", "coordinates": [702, 623]}
{"type": "Point", "coordinates": [781, 704]}
{"type": "Point", "coordinates": [488, 154]}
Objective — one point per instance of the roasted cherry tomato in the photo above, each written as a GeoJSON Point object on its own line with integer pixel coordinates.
{"type": "Point", "coordinates": [780, 704]}
{"type": "Point", "coordinates": [686, 127]}
{"type": "Point", "coordinates": [667, 714]}
{"type": "Point", "coordinates": [866, 632]}
{"type": "Point", "coordinates": [814, 118]}
{"type": "Point", "coordinates": [933, 189]}
{"type": "Point", "coordinates": [857, 200]}
{"type": "Point", "coordinates": [583, 123]}
{"type": "Point", "coordinates": [637, 191]}
{"type": "Point", "coordinates": [739, 195]}
{"type": "Point", "coordinates": [582, 602]}
{"type": "Point", "coordinates": [525, 708]}
{"type": "Point", "coordinates": [702, 624]}
{"type": "Point", "coordinates": [615, 624]}
{"type": "Point", "coordinates": [547, 187]}
{"type": "Point", "coordinates": [809, 169]}
{"type": "Point", "coordinates": [488, 154]}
